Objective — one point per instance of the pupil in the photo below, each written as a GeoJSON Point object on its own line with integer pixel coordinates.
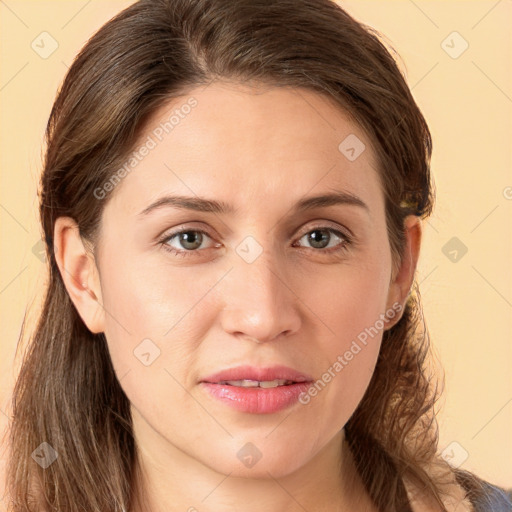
{"type": "Point", "coordinates": [317, 241]}
{"type": "Point", "coordinates": [188, 237]}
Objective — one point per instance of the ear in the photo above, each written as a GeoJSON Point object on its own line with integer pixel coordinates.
{"type": "Point", "coordinates": [401, 281]}
{"type": "Point", "coordinates": [79, 273]}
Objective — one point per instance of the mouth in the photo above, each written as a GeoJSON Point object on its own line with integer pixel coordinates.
{"type": "Point", "coordinates": [257, 390]}
{"type": "Point", "coordinates": [266, 384]}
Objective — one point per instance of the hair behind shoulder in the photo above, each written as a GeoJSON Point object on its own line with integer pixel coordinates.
{"type": "Point", "coordinates": [67, 393]}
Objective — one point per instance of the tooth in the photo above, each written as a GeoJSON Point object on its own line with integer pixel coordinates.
{"type": "Point", "coordinates": [270, 383]}
{"type": "Point", "coordinates": [247, 383]}
{"type": "Point", "coordinates": [242, 383]}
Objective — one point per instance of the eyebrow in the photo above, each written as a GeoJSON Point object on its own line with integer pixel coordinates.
{"type": "Point", "coordinates": [200, 204]}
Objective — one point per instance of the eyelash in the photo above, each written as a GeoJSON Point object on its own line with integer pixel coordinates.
{"type": "Point", "coordinates": [340, 248]}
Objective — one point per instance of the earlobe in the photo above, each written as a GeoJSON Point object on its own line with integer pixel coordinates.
{"type": "Point", "coordinates": [401, 284]}
{"type": "Point", "coordinates": [79, 273]}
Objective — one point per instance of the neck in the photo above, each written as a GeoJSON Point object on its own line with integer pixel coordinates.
{"type": "Point", "coordinates": [171, 480]}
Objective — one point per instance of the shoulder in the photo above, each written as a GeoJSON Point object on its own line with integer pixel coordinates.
{"type": "Point", "coordinates": [457, 498]}
{"type": "Point", "coordinates": [493, 499]}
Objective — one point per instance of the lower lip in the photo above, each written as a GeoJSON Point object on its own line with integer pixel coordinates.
{"type": "Point", "coordinates": [257, 400]}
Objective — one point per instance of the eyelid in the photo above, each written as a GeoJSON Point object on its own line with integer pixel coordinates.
{"type": "Point", "coordinates": [320, 224]}
{"type": "Point", "coordinates": [347, 233]}
{"type": "Point", "coordinates": [186, 226]}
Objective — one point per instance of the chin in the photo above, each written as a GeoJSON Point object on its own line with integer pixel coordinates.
{"type": "Point", "coordinates": [253, 460]}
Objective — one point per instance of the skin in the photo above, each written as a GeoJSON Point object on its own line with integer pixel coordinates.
{"type": "Point", "coordinates": [261, 150]}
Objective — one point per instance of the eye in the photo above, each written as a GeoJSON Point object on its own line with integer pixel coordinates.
{"type": "Point", "coordinates": [321, 238]}
{"type": "Point", "coordinates": [188, 241]}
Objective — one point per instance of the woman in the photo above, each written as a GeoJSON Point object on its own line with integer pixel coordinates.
{"type": "Point", "coordinates": [232, 200]}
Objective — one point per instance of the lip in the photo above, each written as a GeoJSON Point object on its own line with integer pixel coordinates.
{"type": "Point", "coordinates": [248, 372]}
{"type": "Point", "coordinates": [257, 400]}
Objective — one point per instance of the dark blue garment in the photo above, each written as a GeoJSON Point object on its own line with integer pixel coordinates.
{"type": "Point", "coordinates": [496, 499]}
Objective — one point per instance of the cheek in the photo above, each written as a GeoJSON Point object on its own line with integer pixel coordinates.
{"type": "Point", "coordinates": [144, 298]}
{"type": "Point", "coordinates": [351, 298]}
{"type": "Point", "coordinates": [351, 306]}
{"type": "Point", "coordinates": [152, 309]}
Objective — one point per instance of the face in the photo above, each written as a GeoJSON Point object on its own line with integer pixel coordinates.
{"type": "Point", "coordinates": [271, 279]}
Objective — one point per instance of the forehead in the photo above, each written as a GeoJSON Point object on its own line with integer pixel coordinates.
{"type": "Point", "coordinates": [248, 144]}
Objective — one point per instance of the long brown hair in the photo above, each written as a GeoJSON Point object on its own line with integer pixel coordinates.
{"type": "Point", "coordinates": [67, 393]}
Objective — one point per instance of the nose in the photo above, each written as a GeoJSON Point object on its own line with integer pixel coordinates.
{"type": "Point", "coordinates": [259, 301]}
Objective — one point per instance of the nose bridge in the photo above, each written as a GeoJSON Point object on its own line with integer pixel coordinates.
{"type": "Point", "coordinates": [259, 303]}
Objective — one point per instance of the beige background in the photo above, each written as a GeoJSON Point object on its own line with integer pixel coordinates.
{"type": "Point", "coordinates": [467, 100]}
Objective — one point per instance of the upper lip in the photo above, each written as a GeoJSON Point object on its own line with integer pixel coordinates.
{"type": "Point", "coordinates": [247, 372]}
